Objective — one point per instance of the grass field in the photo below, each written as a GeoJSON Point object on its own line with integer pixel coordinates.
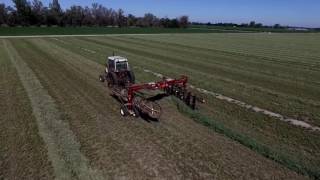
{"type": "Point", "coordinates": [24, 31]}
{"type": "Point", "coordinates": [277, 72]}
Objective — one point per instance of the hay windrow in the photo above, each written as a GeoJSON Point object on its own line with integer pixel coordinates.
{"type": "Point", "coordinates": [291, 121]}
{"type": "Point", "coordinates": [63, 149]}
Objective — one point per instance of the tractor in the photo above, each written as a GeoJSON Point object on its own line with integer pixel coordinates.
{"type": "Point", "coordinates": [121, 81]}
{"type": "Point", "coordinates": [117, 72]}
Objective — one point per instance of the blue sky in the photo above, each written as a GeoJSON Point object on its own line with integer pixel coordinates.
{"type": "Point", "coordinates": [286, 12]}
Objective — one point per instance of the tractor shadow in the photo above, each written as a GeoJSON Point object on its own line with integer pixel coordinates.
{"type": "Point", "coordinates": [145, 116]}
{"type": "Point", "coordinates": [148, 119]}
{"type": "Point", "coordinates": [157, 97]}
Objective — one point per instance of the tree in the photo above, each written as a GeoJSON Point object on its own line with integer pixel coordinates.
{"type": "Point", "coordinates": [35, 13]}
{"type": "Point", "coordinates": [174, 23]}
{"type": "Point", "coordinates": [277, 26]}
{"type": "Point", "coordinates": [55, 13]}
{"type": "Point", "coordinates": [149, 20]}
{"type": "Point", "coordinates": [131, 20]}
{"type": "Point", "coordinates": [121, 19]}
{"type": "Point", "coordinates": [183, 21]}
{"type": "Point", "coordinates": [38, 12]}
{"type": "Point", "coordinates": [74, 16]}
{"type": "Point", "coordinates": [23, 11]}
{"type": "Point", "coordinates": [3, 14]}
{"type": "Point", "coordinates": [165, 22]}
{"type": "Point", "coordinates": [259, 25]}
{"type": "Point", "coordinates": [252, 24]}
{"type": "Point", "coordinates": [88, 19]}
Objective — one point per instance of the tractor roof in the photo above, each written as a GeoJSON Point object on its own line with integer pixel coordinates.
{"type": "Point", "coordinates": [117, 58]}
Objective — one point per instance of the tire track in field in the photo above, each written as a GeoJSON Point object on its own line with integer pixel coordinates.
{"type": "Point", "coordinates": [292, 121]}
{"type": "Point", "coordinates": [63, 149]}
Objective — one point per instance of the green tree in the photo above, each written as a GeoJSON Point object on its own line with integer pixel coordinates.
{"type": "Point", "coordinates": [183, 21]}
{"type": "Point", "coordinates": [55, 13]}
{"type": "Point", "coordinates": [24, 12]}
{"type": "Point", "coordinates": [149, 20]}
{"type": "Point", "coordinates": [121, 19]}
{"type": "Point", "coordinates": [132, 20]}
{"type": "Point", "coordinates": [277, 26]}
{"type": "Point", "coordinates": [38, 12]}
{"type": "Point", "coordinates": [3, 14]}
{"type": "Point", "coordinates": [252, 24]}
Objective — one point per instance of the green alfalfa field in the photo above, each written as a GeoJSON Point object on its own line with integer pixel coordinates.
{"type": "Point", "coordinates": [55, 79]}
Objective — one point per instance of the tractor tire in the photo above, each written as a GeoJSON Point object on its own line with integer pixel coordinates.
{"type": "Point", "coordinates": [101, 78]}
{"type": "Point", "coordinates": [131, 77]}
{"type": "Point", "coordinates": [112, 79]}
{"type": "Point", "coordinates": [123, 111]}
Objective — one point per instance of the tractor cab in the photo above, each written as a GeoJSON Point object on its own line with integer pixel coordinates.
{"type": "Point", "coordinates": [117, 64]}
{"type": "Point", "coordinates": [118, 72]}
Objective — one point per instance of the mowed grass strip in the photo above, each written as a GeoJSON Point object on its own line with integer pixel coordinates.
{"type": "Point", "coordinates": [63, 148]}
{"type": "Point", "coordinates": [23, 153]}
{"type": "Point", "coordinates": [300, 145]}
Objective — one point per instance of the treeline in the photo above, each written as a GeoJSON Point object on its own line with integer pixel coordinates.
{"type": "Point", "coordinates": [251, 24]}
{"type": "Point", "coordinates": [26, 13]}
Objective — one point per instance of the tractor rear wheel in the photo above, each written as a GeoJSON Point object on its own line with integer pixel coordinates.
{"type": "Point", "coordinates": [131, 77]}
{"type": "Point", "coordinates": [112, 79]}
{"type": "Point", "coordinates": [136, 112]}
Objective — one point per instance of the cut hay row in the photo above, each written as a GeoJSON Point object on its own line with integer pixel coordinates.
{"type": "Point", "coordinates": [259, 90]}
{"type": "Point", "coordinates": [23, 153]}
{"type": "Point", "coordinates": [63, 149]}
{"type": "Point", "coordinates": [283, 118]}
{"type": "Point", "coordinates": [160, 149]}
{"type": "Point", "coordinates": [298, 143]}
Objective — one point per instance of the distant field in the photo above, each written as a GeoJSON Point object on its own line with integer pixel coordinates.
{"type": "Point", "coordinates": [22, 31]}
{"type": "Point", "coordinates": [277, 72]}
{"type": "Point", "coordinates": [252, 29]}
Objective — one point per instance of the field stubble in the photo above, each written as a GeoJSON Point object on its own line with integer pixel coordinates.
{"type": "Point", "coordinates": [300, 145]}
{"type": "Point", "coordinates": [122, 148]}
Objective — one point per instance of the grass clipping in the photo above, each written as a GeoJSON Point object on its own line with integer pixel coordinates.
{"type": "Point", "coordinates": [247, 141]}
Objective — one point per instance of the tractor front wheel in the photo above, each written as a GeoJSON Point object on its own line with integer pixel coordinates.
{"type": "Point", "coordinates": [123, 111]}
{"type": "Point", "coordinates": [101, 78]}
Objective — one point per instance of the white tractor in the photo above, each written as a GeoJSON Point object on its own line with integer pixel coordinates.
{"type": "Point", "coordinates": [117, 72]}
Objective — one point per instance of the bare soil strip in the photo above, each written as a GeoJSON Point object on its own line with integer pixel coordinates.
{"type": "Point", "coordinates": [63, 149]}
{"type": "Point", "coordinates": [292, 121]}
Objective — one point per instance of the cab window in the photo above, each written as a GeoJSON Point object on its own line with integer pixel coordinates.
{"type": "Point", "coordinates": [122, 66]}
{"type": "Point", "coordinates": [111, 65]}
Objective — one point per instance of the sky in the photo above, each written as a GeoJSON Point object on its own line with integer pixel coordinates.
{"type": "Point", "coordinates": [304, 13]}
